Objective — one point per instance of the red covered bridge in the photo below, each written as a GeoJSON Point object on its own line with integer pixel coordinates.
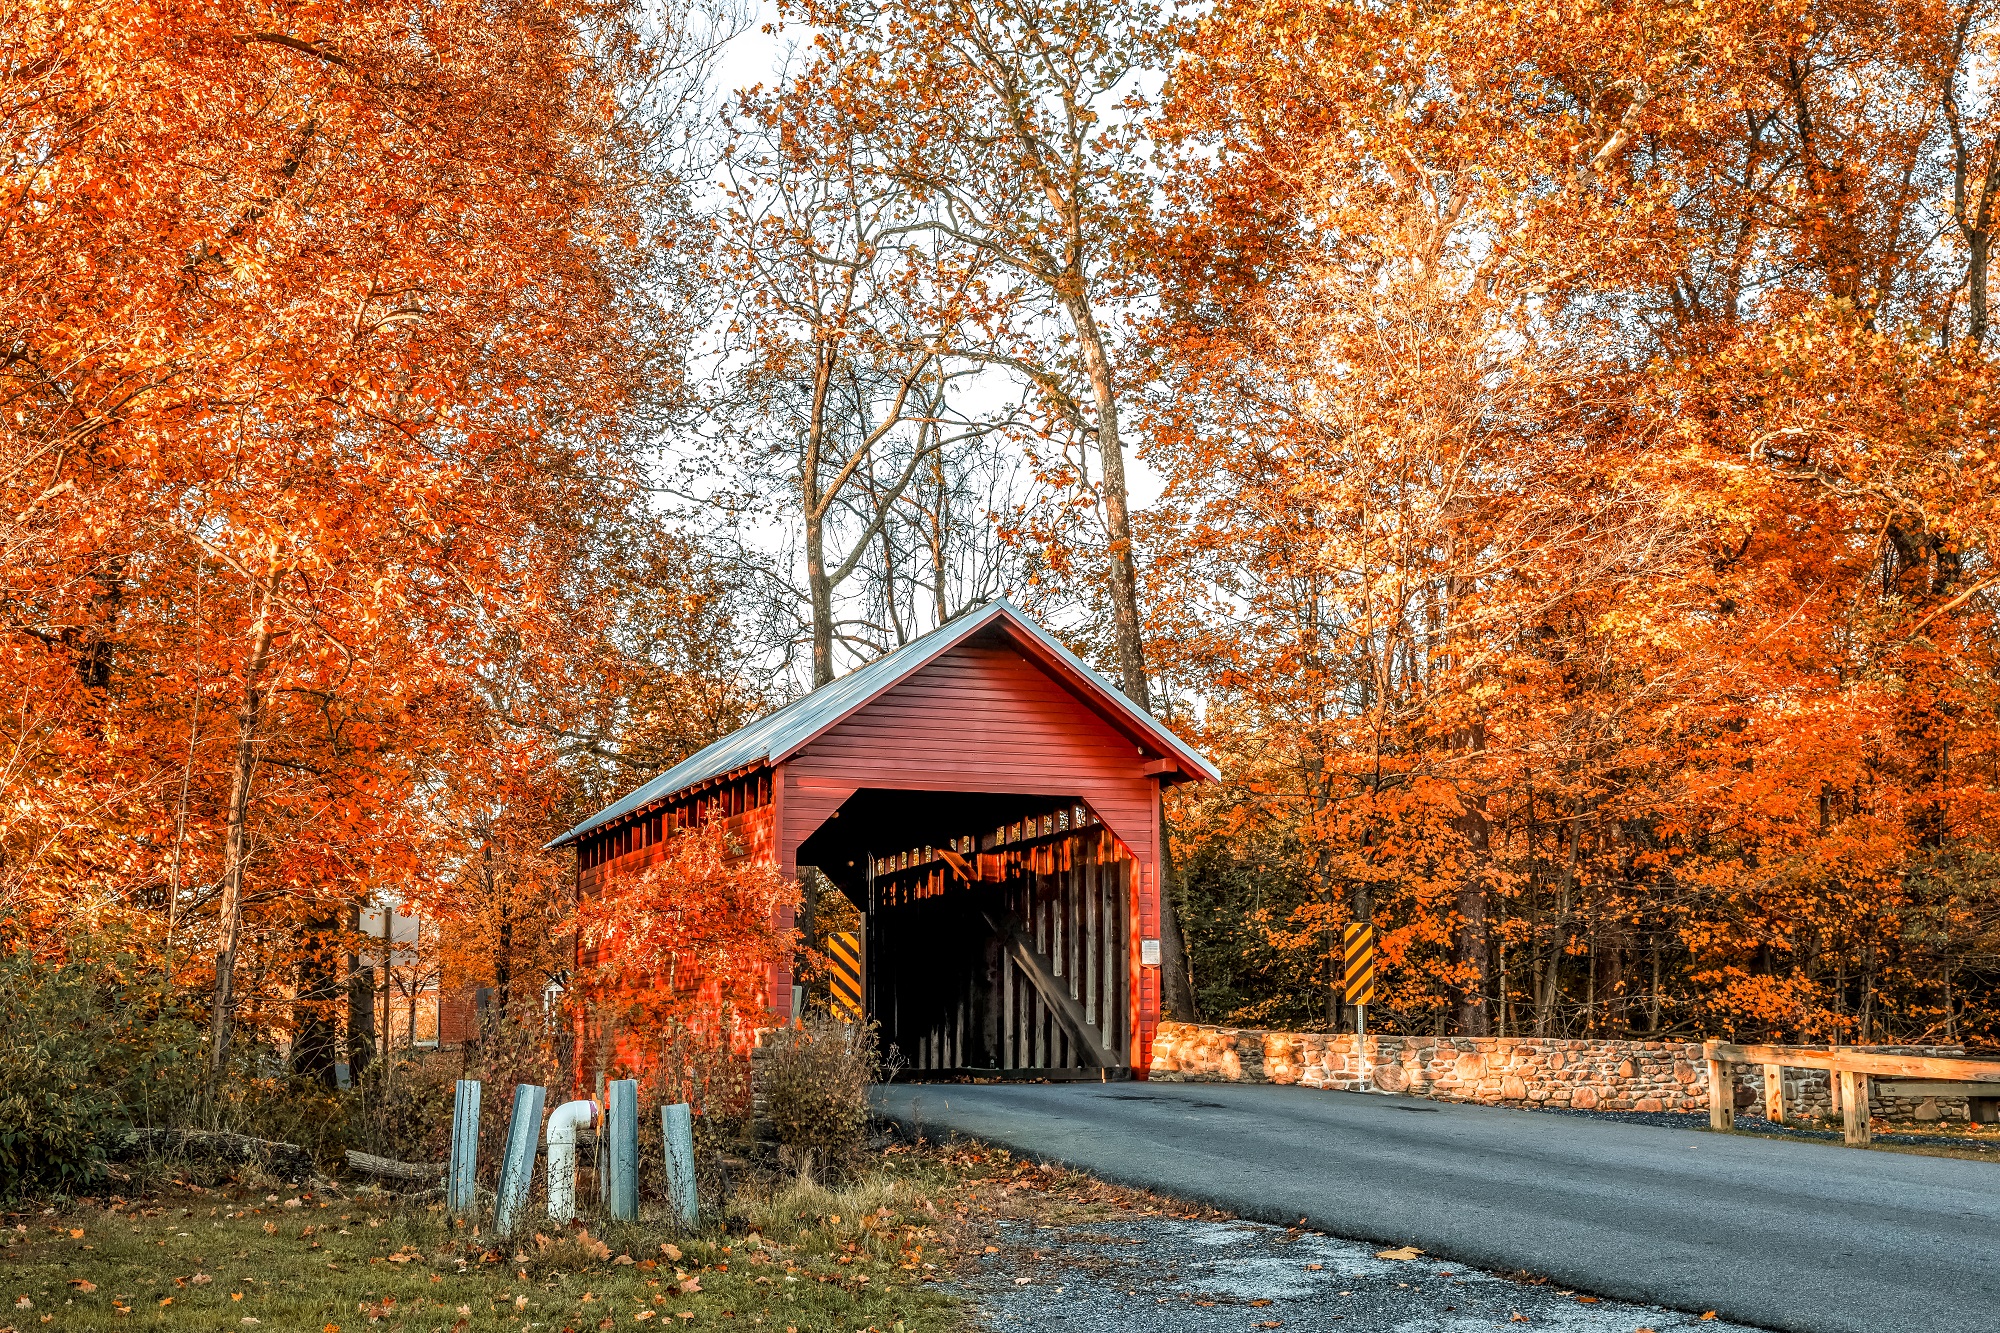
{"type": "Point", "coordinates": [992, 806]}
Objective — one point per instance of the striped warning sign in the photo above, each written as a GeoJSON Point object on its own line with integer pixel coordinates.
{"type": "Point", "coordinates": [1358, 950]}
{"type": "Point", "coordinates": [843, 950]}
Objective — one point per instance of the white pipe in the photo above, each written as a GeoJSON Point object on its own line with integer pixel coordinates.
{"type": "Point", "coordinates": [564, 1122]}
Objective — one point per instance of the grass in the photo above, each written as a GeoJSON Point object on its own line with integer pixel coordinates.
{"type": "Point", "coordinates": [209, 1262]}
{"type": "Point", "coordinates": [797, 1256]}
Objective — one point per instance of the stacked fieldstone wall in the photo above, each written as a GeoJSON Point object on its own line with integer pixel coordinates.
{"type": "Point", "coordinates": [1532, 1071]}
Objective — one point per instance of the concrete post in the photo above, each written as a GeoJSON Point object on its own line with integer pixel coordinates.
{"type": "Point", "coordinates": [621, 1128]}
{"type": "Point", "coordinates": [461, 1190]}
{"type": "Point", "coordinates": [517, 1170]}
{"type": "Point", "coordinates": [677, 1128]}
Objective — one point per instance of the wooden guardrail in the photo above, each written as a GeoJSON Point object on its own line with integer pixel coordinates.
{"type": "Point", "coordinates": [1852, 1067]}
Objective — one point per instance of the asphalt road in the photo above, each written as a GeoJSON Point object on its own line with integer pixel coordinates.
{"type": "Point", "coordinates": [1801, 1237]}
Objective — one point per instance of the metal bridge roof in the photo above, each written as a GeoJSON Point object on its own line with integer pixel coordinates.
{"type": "Point", "coordinates": [783, 732]}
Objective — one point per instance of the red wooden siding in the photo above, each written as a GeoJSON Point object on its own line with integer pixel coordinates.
{"type": "Point", "coordinates": [982, 717]}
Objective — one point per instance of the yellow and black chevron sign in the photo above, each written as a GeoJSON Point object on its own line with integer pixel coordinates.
{"type": "Point", "coordinates": [1358, 950]}
{"type": "Point", "coordinates": [843, 950]}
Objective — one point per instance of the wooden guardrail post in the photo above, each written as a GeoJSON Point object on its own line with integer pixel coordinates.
{"type": "Point", "coordinates": [1721, 1094]}
{"type": "Point", "coordinates": [1774, 1093]}
{"type": "Point", "coordinates": [1854, 1107]}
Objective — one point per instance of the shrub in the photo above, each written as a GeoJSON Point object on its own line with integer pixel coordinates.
{"type": "Point", "coordinates": [814, 1082]}
{"type": "Point", "coordinates": [405, 1104]}
{"type": "Point", "coordinates": [286, 1109]}
{"type": "Point", "coordinates": [88, 1053]}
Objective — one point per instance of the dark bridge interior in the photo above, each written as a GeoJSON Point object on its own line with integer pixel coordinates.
{"type": "Point", "coordinates": [997, 929]}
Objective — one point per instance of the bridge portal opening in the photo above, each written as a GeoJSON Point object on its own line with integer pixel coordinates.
{"type": "Point", "coordinates": [998, 935]}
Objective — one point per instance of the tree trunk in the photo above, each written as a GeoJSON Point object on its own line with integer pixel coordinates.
{"type": "Point", "coordinates": [1545, 1003]}
{"type": "Point", "coordinates": [1470, 953]}
{"type": "Point", "coordinates": [235, 843]}
{"type": "Point", "coordinates": [812, 507]}
{"type": "Point", "coordinates": [1127, 628]}
{"type": "Point", "coordinates": [316, 1034]}
{"type": "Point", "coordinates": [1978, 245]}
{"type": "Point", "coordinates": [1176, 990]}
{"type": "Point", "coordinates": [360, 1008]}
{"type": "Point", "coordinates": [503, 964]}
{"type": "Point", "coordinates": [1469, 940]}
{"type": "Point", "coordinates": [819, 589]}
{"type": "Point", "coordinates": [1128, 632]}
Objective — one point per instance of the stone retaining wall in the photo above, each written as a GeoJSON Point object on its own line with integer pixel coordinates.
{"type": "Point", "coordinates": [1583, 1075]}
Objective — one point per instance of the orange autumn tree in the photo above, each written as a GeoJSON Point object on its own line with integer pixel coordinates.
{"type": "Point", "coordinates": [1582, 553]}
{"type": "Point", "coordinates": [323, 324]}
{"type": "Point", "coordinates": [674, 964]}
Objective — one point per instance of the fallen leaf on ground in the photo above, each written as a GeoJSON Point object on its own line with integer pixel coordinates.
{"type": "Point", "coordinates": [83, 1284]}
{"type": "Point", "coordinates": [671, 1251]}
{"type": "Point", "coordinates": [1402, 1253]}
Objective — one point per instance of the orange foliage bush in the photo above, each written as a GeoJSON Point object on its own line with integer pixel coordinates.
{"type": "Point", "coordinates": [675, 966]}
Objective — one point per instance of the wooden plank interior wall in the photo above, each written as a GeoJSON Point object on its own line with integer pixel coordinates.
{"type": "Point", "coordinates": [950, 997]}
